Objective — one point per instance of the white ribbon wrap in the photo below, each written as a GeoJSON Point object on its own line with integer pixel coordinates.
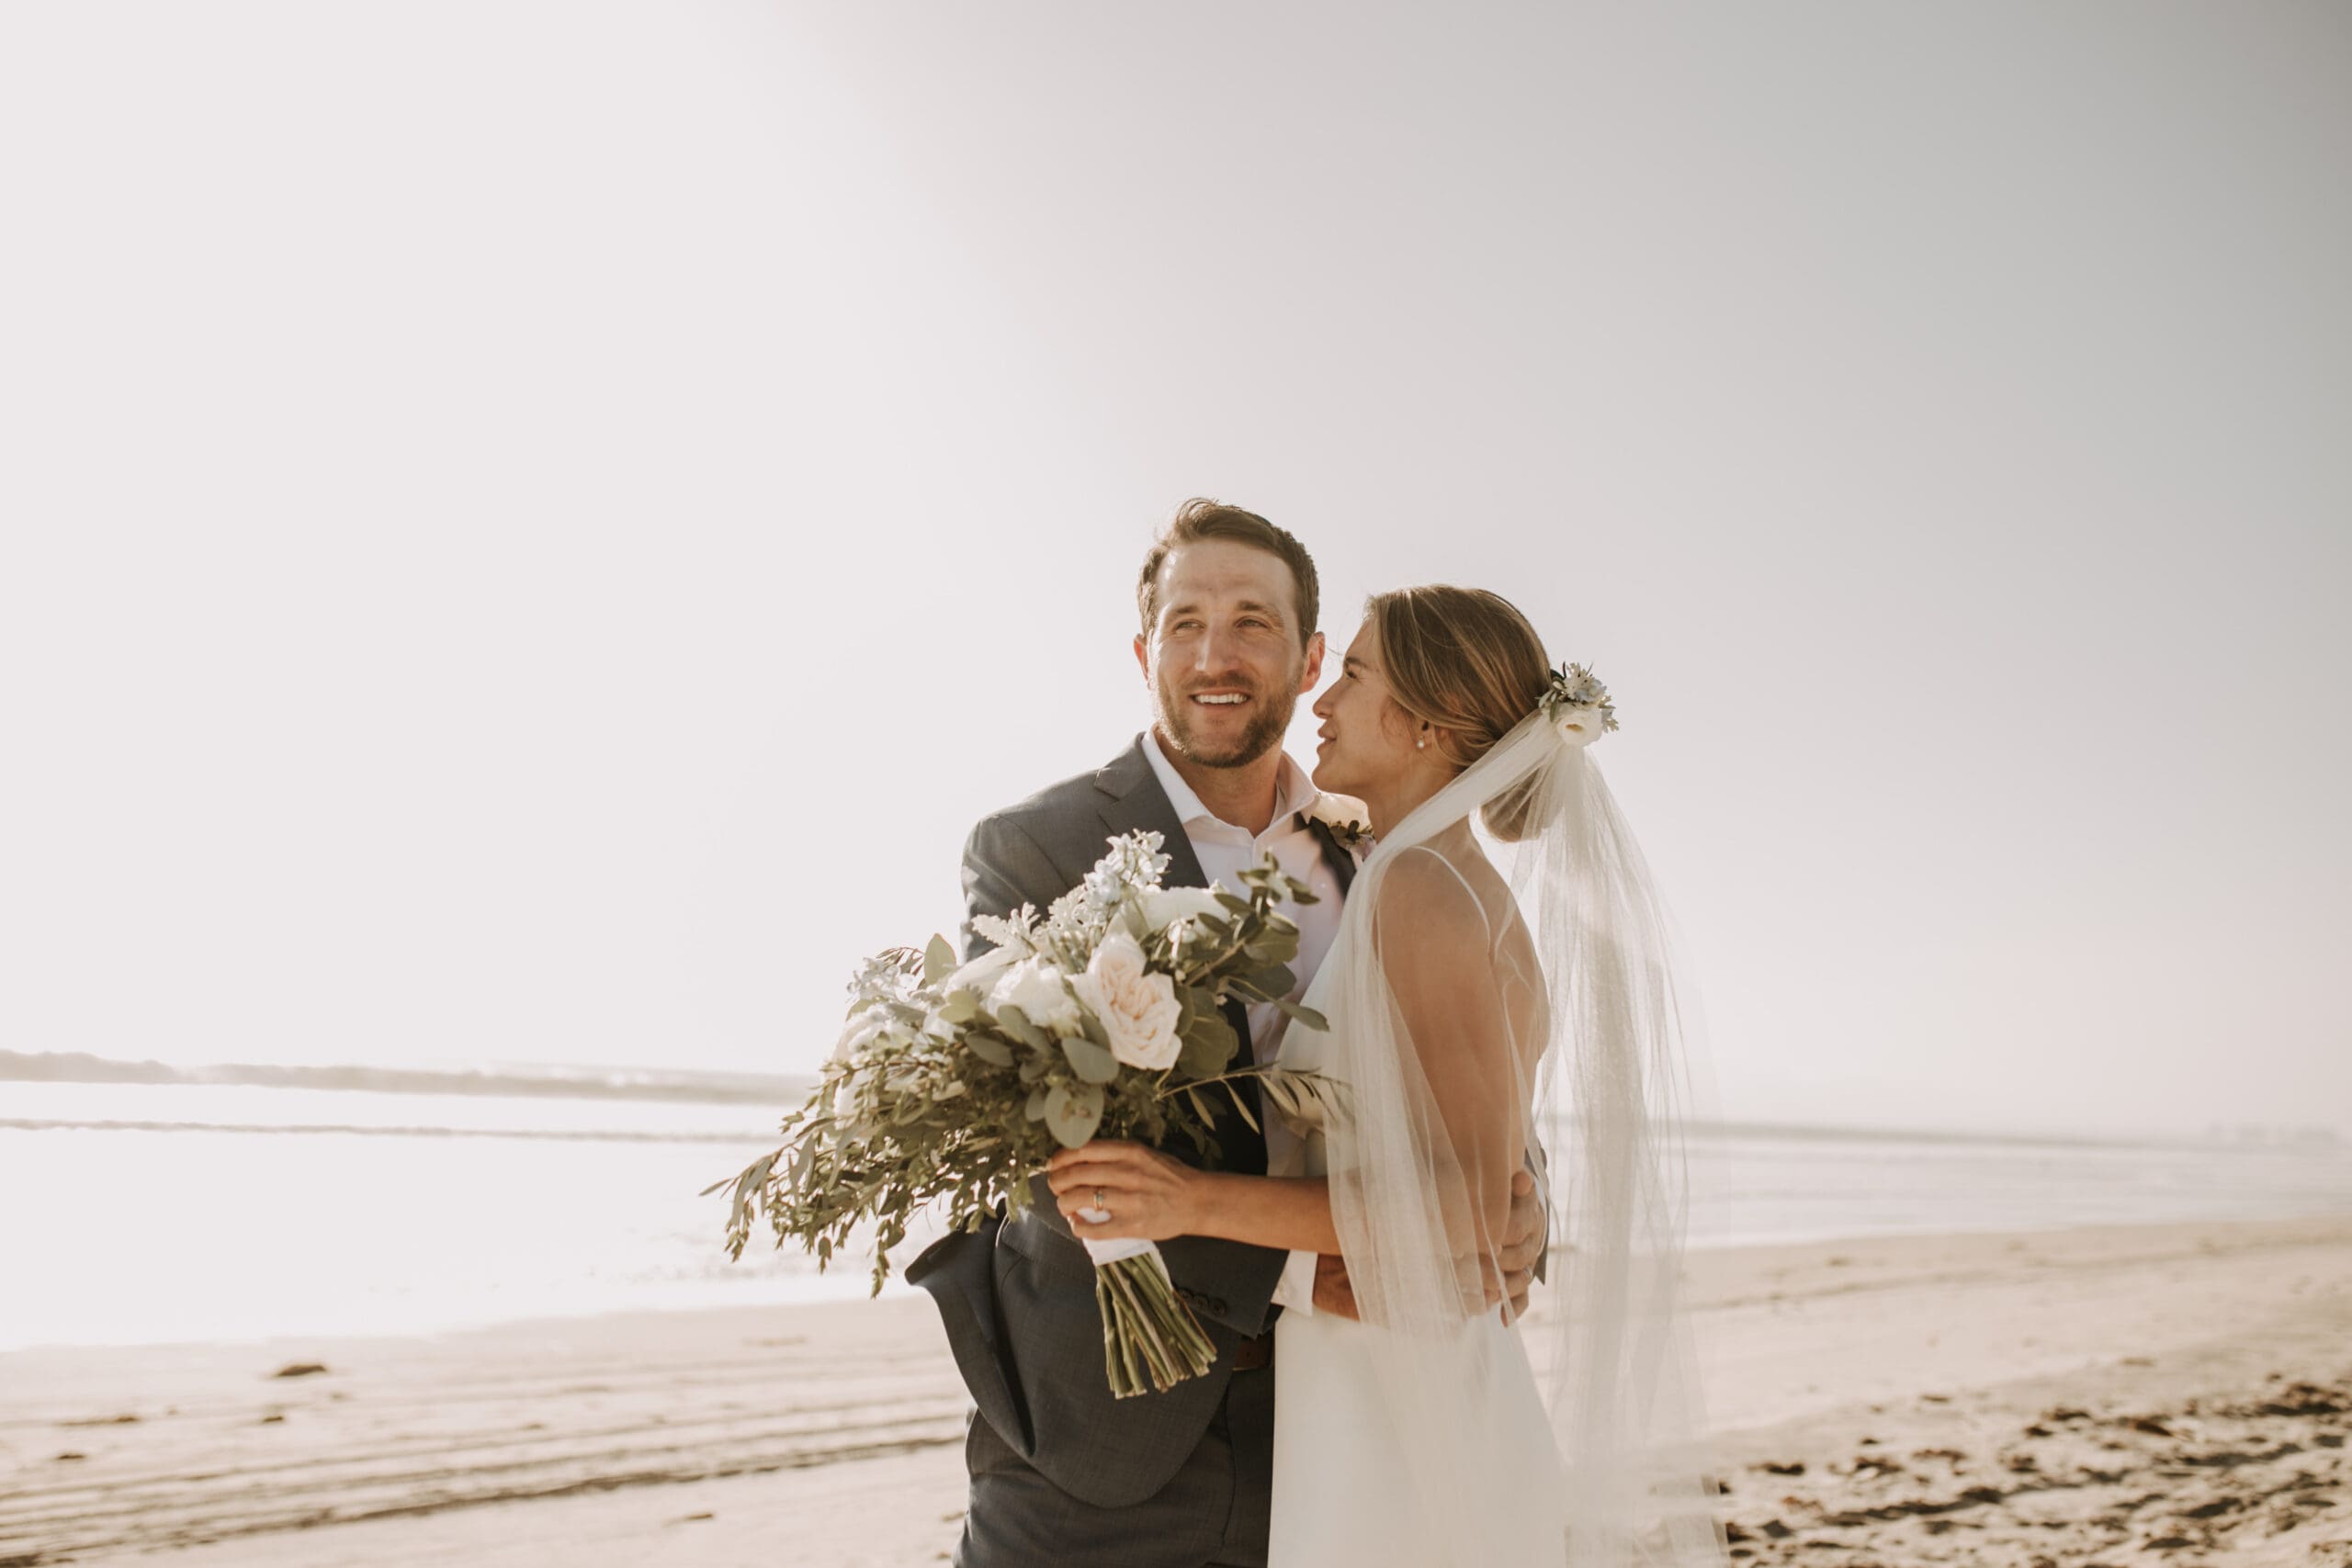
{"type": "Point", "coordinates": [1124, 1247]}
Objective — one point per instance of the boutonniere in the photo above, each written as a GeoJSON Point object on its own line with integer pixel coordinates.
{"type": "Point", "coordinates": [1346, 819]}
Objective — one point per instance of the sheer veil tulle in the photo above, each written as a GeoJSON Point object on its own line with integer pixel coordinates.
{"type": "Point", "coordinates": [1504, 998]}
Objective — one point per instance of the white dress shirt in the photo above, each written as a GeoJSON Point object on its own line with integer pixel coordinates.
{"type": "Point", "coordinates": [1224, 849]}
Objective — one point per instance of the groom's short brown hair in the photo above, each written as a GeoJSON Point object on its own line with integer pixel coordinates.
{"type": "Point", "coordinates": [1201, 518]}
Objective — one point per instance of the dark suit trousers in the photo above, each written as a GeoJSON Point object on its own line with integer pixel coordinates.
{"type": "Point", "coordinates": [1213, 1514]}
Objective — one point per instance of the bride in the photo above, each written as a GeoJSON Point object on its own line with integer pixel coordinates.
{"type": "Point", "coordinates": [1500, 988]}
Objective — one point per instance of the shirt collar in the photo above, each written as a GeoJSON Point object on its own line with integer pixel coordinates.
{"type": "Point", "coordinates": [1293, 791]}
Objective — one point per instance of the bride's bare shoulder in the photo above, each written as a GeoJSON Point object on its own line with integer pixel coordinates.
{"type": "Point", "coordinates": [1432, 894]}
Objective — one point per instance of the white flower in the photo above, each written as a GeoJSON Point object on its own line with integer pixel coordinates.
{"type": "Point", "coordinates": [1163, 907]}
{"type": "Point", "coordinates": [1138, 1008]}
{"type": "Point", "coordinates": [860, 1031]}
{"type": "Point", "coordinates": [980, 974]}
{"type": "Point", "coordinates": [1338, 810]}
{"type": "Point", "coordinates": [841, 1104]}
{"type": "Point", "coordinates": [1034, 985]}
{"type": "Point", "coordinates": [1579, 726]}
{"type": "Point", "coordinates": [1578, 706]}
{"type": "Point", "coordinates": [1347, 817]}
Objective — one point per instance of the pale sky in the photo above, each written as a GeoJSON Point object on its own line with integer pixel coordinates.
{"type": "Point", "coordinates": [532, 531]}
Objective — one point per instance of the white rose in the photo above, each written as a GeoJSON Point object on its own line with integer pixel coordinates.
{"type": "Point", "coordinates": [1034, 985]}
{"type": "Point", "coordinates": [1578, 724]}
{"type": "Point", "coordinates": [1348, 820]}
{"type": "Point", "coordinates": [1163, 907]}
{"type": "Point", "coordinates": [1138, 1008]}
{"type": "Point", "coordinates": [1338, 811]}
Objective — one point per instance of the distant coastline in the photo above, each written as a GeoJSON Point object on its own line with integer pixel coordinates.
{"type": "Point", "coordinates": [557, 1082]}
{"type": "Point", "coordinates": [778, 1092]}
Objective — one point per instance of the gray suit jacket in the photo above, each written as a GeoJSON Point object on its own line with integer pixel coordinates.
{"type": "Point", "coordinates": [1018, 1294]}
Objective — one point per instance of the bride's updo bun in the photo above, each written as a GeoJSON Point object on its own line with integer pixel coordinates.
{"type": "Point", "coordinates": [1467, 661]}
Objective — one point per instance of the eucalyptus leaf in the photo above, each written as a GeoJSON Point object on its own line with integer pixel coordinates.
{"type": "Point", "coordinates": [989, 1048]}
{"type": "Point", "coordinates": [1015, 1022]}
{"type": "Point", "coordinates": [1209, 1047]}
{"type": "Point", "coordinates": [1306, 1016]}
{"type": "Point", "coordinates": [961, 1006]}
{"type": "Point", "coordinates": [1278, 944]}
{"type": "Point", "coordinates": [1091, 1062]}
{"type": "Point", "coordinates": [1278, 978]}
{"type": "Point", "coordinates": [1072, 1113]}
{"type": "Point", "coordinates": [1035, 1109]}
{"type": "Point", "coordinates": [938, 961]}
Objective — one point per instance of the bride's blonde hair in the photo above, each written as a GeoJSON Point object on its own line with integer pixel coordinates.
{"type": "Point", "coordinates": [1467, 661]}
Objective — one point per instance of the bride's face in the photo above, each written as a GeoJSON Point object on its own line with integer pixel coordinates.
{"type": "Point", "coordinates": [1367, 738]}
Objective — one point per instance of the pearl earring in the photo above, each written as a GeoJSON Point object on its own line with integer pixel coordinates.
{"type": "Point", "coordinates": [1422, 744]}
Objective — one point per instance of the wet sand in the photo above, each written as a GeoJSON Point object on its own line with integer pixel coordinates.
{"type": "Point", "coordinates": [2174, 1394]}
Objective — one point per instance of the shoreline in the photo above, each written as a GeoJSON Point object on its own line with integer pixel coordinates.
{"type": "Point", "coordinates": [845, 1287]}
{"type": "Point", "coordinates": [713, 1436]}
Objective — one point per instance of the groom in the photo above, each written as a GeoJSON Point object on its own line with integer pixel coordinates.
{"type": "Point", "coordinates": [1062, 1473]}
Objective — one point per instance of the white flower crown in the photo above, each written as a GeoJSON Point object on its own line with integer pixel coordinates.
{"type": "Point", "coordinates": [1578, 706]}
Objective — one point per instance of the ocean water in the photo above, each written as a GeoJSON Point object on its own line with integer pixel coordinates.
{"type": "Point", "coordinates": [149, 1213]}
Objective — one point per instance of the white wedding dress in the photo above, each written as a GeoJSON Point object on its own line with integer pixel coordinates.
{"type": "Point", "coordinates": [1358, 1408]}
{"type": "Point", "coordinates": [1502, 994]}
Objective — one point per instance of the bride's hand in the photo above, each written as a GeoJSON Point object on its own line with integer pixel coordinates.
{"type": "Point", "coordinates": [1148, 1195]}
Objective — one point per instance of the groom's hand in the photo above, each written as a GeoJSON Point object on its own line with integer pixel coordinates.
{"type": "Point", "coordinates": [1333, 1293]}
{"type": "Point", "coordinates": [1522, 1244]}
{"type": "Point", "coordinates": [1511, 1277]}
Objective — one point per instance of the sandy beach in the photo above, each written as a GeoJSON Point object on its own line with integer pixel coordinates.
{"type": "Point", "coordinates": [2178, 1392]}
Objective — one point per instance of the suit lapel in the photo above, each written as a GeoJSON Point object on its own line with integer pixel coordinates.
{"type": "Point", "coordinates": [1132, 800]}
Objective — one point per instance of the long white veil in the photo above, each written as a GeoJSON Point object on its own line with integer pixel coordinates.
{"type": "Point", "coordinates": [1503, 995]}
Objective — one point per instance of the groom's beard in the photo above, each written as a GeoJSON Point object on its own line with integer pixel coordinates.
{"type": "Point", "coordinates": [1183, 722]}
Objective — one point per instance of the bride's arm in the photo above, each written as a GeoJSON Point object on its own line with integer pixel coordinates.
{"type": "Point", "coordinates": [1464, 1094]}
{"type": "Point", "coordinates": [1290, 1212]}
{"type": "Point", "coordinates": [1155, 1196]}
{"type": "Point", "coordinates": [1466, 1104]}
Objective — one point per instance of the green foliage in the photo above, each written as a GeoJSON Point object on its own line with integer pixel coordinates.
{"type": "Point", "coordinates": [936, 1099]}
{"type": "Point", "coordinates": [1210, 1043]}
{"type": "Point", "coordinates": [1073, 1112]}
{"type": "Point", "coordinates": [1091, 1062]}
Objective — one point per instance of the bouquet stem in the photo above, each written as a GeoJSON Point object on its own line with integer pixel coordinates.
{"type": "Point", "coordinates": [1151, 1341]}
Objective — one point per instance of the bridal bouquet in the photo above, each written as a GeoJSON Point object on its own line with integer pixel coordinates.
{"type": "Point", "coordinates": [957, 1083]}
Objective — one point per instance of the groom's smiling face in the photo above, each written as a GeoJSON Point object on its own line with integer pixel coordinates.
{"type": "Point", "coordinates": [1225, 657]}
